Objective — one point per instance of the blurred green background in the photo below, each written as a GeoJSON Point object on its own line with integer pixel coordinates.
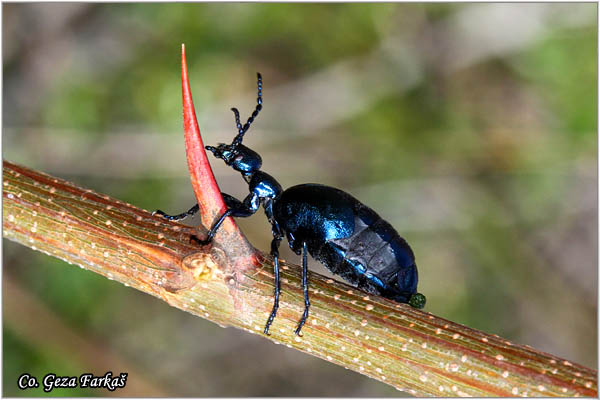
{"type": "Point", "coordinates": [472, 128]}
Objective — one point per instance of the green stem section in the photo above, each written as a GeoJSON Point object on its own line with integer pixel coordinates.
{"type": "Point", "coordinates": [412, 350]}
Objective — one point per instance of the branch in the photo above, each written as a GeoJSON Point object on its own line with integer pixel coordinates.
{"type": "Point", "coordinates": [411, 350]}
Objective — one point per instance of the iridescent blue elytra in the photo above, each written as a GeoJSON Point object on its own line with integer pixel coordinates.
{"type": "Point", "coordinates": [346, 236]}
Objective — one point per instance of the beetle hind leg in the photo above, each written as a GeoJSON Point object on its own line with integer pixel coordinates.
{"type": "Point", "coordinates": [275, 253]}
{"type": "Point", "coordinates": [305, 288]}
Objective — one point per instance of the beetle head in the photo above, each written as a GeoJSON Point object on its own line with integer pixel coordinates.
{"type": "Point", "coordinates": [239, 157]}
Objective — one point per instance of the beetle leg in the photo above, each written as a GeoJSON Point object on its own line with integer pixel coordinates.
{"type": "Point", "coordinates": [236, 208]}
{"type": "Point", "coordinates": [275, 253]}
{"type": "Point", "coordinates": [230, 201]}
{"type": "Point", "coordinates": [305, 287]}
{"type": "Point", "coordinates": [177, 217]}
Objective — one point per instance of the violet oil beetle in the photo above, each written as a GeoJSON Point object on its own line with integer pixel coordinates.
{"type": "Point", "coordinates": [346, 236]}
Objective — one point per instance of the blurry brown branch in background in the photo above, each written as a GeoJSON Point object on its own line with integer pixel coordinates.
{"type": "Point", "coordinates": [411, 350]}
{"type": "Point", "coordinates": [39, 323]}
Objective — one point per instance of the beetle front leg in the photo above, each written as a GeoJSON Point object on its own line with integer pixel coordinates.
{"type": "Point", "coordinates": [177, 217]}
{"type": "Point", "coordinates": [235, 208]}
{"type": "Point", "coordinates": [230, 202]}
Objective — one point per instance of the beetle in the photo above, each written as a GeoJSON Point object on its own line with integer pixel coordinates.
{"type": "Point", "coordinates": [346, 236]}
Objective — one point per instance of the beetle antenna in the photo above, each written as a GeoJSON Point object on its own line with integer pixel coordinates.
{"type": "Point", "coordinates": [238, 124]}
{"type": "Point", "coordinates": [242, 130]}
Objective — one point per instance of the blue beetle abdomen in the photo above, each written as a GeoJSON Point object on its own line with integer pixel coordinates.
{"type": "Point", "coordinates": [382, 260]}
{"type": "Point", "coordinates": [348, 238]}
{"type": "Point", "coordinates": [315, 214]}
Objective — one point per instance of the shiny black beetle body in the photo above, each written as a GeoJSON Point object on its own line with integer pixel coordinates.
{"type": "Point", "coordinates": [349, 238]}
{"type": "Point", "coordinates": [346, 236]}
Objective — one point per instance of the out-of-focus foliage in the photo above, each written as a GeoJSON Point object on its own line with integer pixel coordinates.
{"type": "Point", "coordinates": [470, 127]}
